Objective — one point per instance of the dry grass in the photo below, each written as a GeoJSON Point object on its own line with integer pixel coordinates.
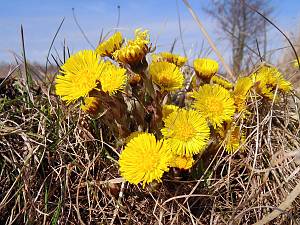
{"type": "Point", "coordinates": [287, 60]}
{"type": "Point", "coordinates": [58, 166]}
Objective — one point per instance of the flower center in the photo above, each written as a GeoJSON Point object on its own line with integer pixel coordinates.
{"type": "Point", "coordinates": [165, 81]}
{"type": "Point", "coordinates": [214, 106]}
{"type": "Point", "coordinates": [83, 81]}
{"type": "Point", "coordinates": [149, 161]}
{"type": "Point", "coordinates": [185, 131]}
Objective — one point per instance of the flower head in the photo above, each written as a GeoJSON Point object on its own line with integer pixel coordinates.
{"type": "Point", "coordinates": [168, 109]}
{"type": "Point", "coordinates": [221, 81]}
{"type": "Point", "coordinates": [233, 138]}
{"type": "Point", "coordinates": [205, 68]}
{"type": "Point", "coordinates": [267, 79]}
{"type": "Point", "coordinates": [80, 75]}
{"type": "Point", "coordinates": [214, 103]}
{"type": "Point", "coordinates": [169, 57]}
{"type": "Point", "coordinates": [113, 78]}
{"type": "Point", "coordinates": [144, 159]}
{"type": "Point", "coordinates": [91, 105]}
{"type": "Point", "coordinates": [295, 63]}
{"type": "Point", "coordinates": [135, 50]}
{"type": "Point", "coordinates": [182, 162]}
{"type": "Point", "coordinates": [186, 132]}
{"type": "Point", "coordinates": [133, 135]}
{"type": "Point", "coordinates": [108, 47]}
{"type": "Point", "coordinates": [134, 79]}
{"type": "Point", "coordinates": [166, 75]}
{"type": "Point", "coordinates": [241, 91]}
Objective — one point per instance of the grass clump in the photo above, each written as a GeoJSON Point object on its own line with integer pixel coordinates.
{"type": "Point", "coordinates": [119, 139]}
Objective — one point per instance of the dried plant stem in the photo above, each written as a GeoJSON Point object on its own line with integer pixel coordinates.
{"type": "Point", "coordinates": [52, 43]}
{"type": "Point", "coordinates": [210, 41]}
{"type": "Point", "coordinates": [9, 74]}
{"type": "Point", "coordinates": [274, 25]}
{"type": "Point", "coordinates": [119, 202]}
{"type": "Point", "coordinates": [283, 206]}
{"type": "Point", "coordinates": [180, 29]}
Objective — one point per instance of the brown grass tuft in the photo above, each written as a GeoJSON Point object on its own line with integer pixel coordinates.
{"type": "Point", "coordinates": [57, 166]}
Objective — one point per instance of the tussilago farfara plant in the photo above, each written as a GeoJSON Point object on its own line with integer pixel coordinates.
{"type": "Point", "coordinates": [134, 94]}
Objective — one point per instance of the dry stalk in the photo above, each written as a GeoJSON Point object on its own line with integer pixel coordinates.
{"type": "Point", "coordinates": [209, 39]}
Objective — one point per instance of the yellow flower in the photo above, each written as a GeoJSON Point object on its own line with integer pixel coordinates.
{"type": "Point", "coordinates": [133, 135]}
{"type": "Point", "coordinates": [266, 80]}
{"type": "Point", "coordinates": [113, 78]}
{"type": "Point", "coordinates": [194, 82]}
{"type": "Point", "coordinates": [214, 103]}
{"type": "Point", "coordinates": [142, 35]}
{"type": "Point", "coordinates": [166, 75]}
{"type": "Point", "coordinates": [221, 81]}
{"type": "Point", "coordinates": [169, 57]}
{"type": "Point", "coordinates": [182, 162]}
{"type": "Point", "coordinates": [80, 75]}
{"type": "Point", "coordinates": [108, 47]}
{"type": "Point", "coordinates": [134, 79]}
{"type": "Point", "coordinates": [168, 109]}
{"type": "Point", "coordinates": [91, 105]}
{"type": "Point", "coordinates": [186, 132]}
{"type": "Point", "coordinates": [233, 138]}
{"type": "Point", "coordinates": [205, 68]}
{"type": "Point", "coordinates": [135, 50]}
{"type": "Point", "coordinates": [295, 63]}
{"type": "Point", "coordinates": [241, 91]}
{"type": "Point", "coordinates": [261, 86]}
{"type": "Point", "coordinates": [144, 159]}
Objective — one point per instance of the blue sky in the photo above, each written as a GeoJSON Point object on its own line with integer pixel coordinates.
{"type": "Point", "coordinates": [40, 20]}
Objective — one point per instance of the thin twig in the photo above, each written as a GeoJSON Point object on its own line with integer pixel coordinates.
{"type": "Point", "coordinates": [180, 29]}
{"type": "Point", "coordinates": [210, 41]}
{"type": "Point", "coordinates": [119, 15]}
{"type": "Point", "coordinates": [283, 206]}
{"type": "Point", "coordinates": [28, 76]}
{"type": "Point", "coordinates": [286, 37]}
{"type": "Point", "coordinates": [119, 202]}
{"type": "Point", "coordinates": [52, 42]}
{"type": "Point", "coordinates": [81, 30]}
{"type": "Point", "coordinates": [9, 74]}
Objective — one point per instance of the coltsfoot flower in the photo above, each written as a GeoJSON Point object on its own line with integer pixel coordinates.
{"type": "Point", "coordinates": [134, 51]}
{"type": "Point", "coordinates": [166, 75]}
{"type": "Point", "coordinates": [267, 79]}
{"type": "Point", "coordinates": [222, 82]}
{"type": "Point", "coordinates": [169, 57]}
{"type": "Point", "coordinates": [205, 68]}
{"type": "Point", "coordinates": [182, 162]}
{"type": "Point", "coordinates": [144, 159]}
{"type": "Point", "coordinates": [91, 105]}
{"type": "Point", "coordinates": [295, 63]}
{"type": "Point", "coordinates": [186, 132]}
{"type": "Point", "coordinates": [168, 109]}
{"type": "Point", "coordinates": [214, 103]}
{"type": "Point", "coordinates": [113, 78]}
{"type": "Point", "coordinates": [241, 91]}
{"type": "Point", "coordinates": [79, 75]}
{"type": "Point", "coordinates": [108, 47]}
{"type": "Point", "coordinates": [233, 138]}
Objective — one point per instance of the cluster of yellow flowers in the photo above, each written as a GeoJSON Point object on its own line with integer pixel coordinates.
{"type": "Point", "coordinates": [175, 134]}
